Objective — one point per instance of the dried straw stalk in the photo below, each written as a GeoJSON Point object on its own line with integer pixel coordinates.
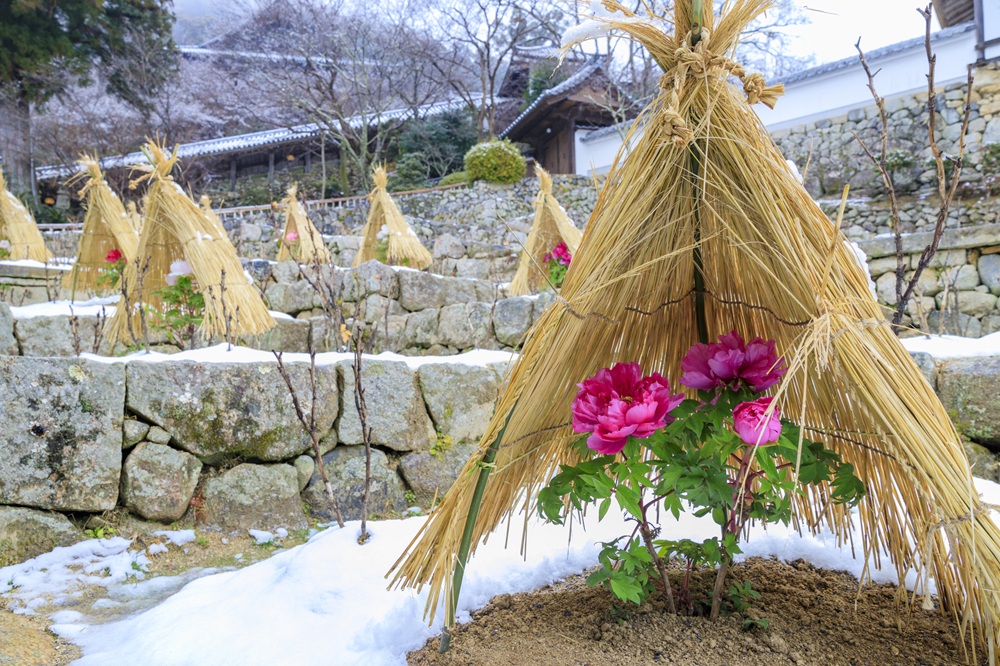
{"type": "Point", "coordinates": [17, 226]}
{"type": "Point", "coordinates": [309, 248]}
{"type": "Point", "coordinates": [106, 227]}
{"type": "Point", "coordinates": [706, 176]}
{"type": "Point", "coordinates": [176, 228]}
{"type": "Point", "coordinates": [205, 203]}
{"type": "Point", "coordinates": [404, 246]}
{"type": "Point", "coordinates": [550, 227]}
{"type": "Point", "coordinates": [134, 217]}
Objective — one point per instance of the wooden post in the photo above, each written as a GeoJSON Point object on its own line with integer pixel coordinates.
{"type": "Point", "coordinates": [309, 161]}
{"type": "Point", "coordinates": [232, 175]}
{"type": "Point", "coordinates": [270, 169]}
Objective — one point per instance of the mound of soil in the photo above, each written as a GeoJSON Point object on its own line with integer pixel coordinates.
{"type": "Point", "coordinates": [814, 617]}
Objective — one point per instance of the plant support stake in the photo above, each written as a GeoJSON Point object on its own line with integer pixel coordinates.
{"type": "Point", "coordinates": [470, 523]}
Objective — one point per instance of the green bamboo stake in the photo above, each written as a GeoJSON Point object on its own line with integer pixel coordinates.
{"type": "Point", "coordinates": [699, 269]}
{"type": "Point", "coordinates": [485, 466]}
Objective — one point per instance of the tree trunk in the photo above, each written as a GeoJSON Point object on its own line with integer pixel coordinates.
{"type": "Point", "coordinates": [15, 140]}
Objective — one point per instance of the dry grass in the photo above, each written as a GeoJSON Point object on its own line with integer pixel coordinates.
{"type": "Point", "coordinates": [705, 180]}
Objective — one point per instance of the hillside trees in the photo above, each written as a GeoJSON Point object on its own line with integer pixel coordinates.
{"type": "Point", "coordinates": [46, 45]}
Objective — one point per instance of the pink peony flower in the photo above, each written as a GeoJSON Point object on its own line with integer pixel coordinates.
{"type": "Point", "coordinates": [559, 253]}
{"type": "Point", "coordinates": [618, 402]}
{"type": "Point", "coordinates": [114, 256]}
{"type": "Point", "coordinates": [731, 361]}
{"type": "Point", "coordinates": [752, 426]}
{"type": "Point", "coordinates": [292, 236]}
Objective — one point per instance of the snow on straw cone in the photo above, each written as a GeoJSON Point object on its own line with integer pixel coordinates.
{"type": "Point", "coordinates": [404, 248]}
{"type": "Point", "coordinates": [175, 228]}
{"type": "Point", "coordinates": [550, 227]}
{"type": "Point", "coordinates": [17, 227]}
{"type": "Point", "coordinates": [106, 227]}
{"type": "Point", "coordinates": [706, 176]}
{"type": "Point", "coordinates": [308, 246]}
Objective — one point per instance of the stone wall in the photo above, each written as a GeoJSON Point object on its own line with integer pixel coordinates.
{"type": "Point", "coordinates": [835, 158]}
{"type": "Point", "coordinates": [957, 293]}
{"type": "Point", "coordinates": [219, 443]}
{"type": "Point", "coordinates": [400, 310]}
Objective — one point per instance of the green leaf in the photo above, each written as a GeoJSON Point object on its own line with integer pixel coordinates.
{"type": "Point", "coordinates": [603, 508]}
{"type": "Point", "coordinates": [628, 499]}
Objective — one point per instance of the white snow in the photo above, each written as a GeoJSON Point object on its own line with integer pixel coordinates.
{"type": "Point", "coordinates": [57, 264]}
{"type": "Point", "coordinates": [221, 353]}
{"type": "Point", "coordinates": [261, 537]}
{"type": "Point", "coordinates": [953, 346]}
{"type": "Point", "coordinates": [91, 307]}
{"type": "Point", "coordinates": [177, 537]}
{"type": "Point", "coordinates": [270, 611]}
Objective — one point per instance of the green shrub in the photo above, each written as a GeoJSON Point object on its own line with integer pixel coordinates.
{"type": "Point", "coordinates": [495, 162]}
{"type": "Point", "coordinates": [410, 174]}
{"type": "Point", "coordinates": [454, 178]}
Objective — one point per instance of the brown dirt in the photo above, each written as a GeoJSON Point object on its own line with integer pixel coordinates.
{"type": "Point", "coordinates": [25, 641]}
{"type": "Point", "coordinates": [815, 617]}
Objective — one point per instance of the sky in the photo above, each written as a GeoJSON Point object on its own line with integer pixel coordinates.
{"type": "Point", "coordinates": [837, 24]}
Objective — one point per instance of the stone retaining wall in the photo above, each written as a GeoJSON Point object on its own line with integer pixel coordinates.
{"type": "Point", "coordinates": [958, 292]}
{"type": "Point", "coordinates": [835, 157]}
{"type": "Point", "coordinates": [219, 443]}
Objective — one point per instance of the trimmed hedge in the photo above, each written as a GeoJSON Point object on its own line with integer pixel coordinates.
{"type": "Point", "coordinates": [495, 162]}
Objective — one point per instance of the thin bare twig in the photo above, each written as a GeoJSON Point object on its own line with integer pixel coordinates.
{"type": "Point", "coordinates": [309, 425]}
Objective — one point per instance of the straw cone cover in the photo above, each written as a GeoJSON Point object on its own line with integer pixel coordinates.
{"type": "Point", "coordinates": [308, 246]}
{"type": "Point", "coordinates": [404, 247]}
{"type": "Point", "coordinates": [706, 179]}
{"type": "Point", "coordinates": [107, 226]}
{"type": "Point", "coordinates": [17, 227]}
{"type": "Point", "coordinates": [550, 226]}
{"type": "Point", "coordinates": [175, 228]}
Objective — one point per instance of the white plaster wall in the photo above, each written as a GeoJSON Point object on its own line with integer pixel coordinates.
{"type": "Point", "coordinates": [837, 92]}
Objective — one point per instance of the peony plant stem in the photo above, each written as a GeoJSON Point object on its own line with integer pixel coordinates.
{"type": "Point", "coordinates": [647, 538]}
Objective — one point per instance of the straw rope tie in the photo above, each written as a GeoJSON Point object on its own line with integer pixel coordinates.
{"type": "Point", "coordinates": [703, 63]}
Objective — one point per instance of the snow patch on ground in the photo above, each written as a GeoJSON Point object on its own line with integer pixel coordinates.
{"type": "Point", "coordinates": [953, 346]}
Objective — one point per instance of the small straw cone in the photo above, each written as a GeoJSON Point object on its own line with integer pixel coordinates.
{"type": "Point", "coordinates": [175, 228]}
{"type": "Point", "coordinates": [106, 227]}
{"type": "Point", "coordinates": [309, 248]}
{"type": "Point", "coordinates": [404, 246]}
{"type": "Point", "coordinates": [550, 227]}
{"type": "Point", "coordinates": [705, 176]}
{"type": "Point", "coordinates": [17, 226]}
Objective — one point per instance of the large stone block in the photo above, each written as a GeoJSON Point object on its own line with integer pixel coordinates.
{"type": "Point", "coordinates": [989, 272]}
{"type": "Point", "coordinates": [419, 290]}
{"type": "Point", "coordinates": [27, 533]}
{"type": "Point", "coordinates": [222, 410]}
{"type": "Point", "coordinates": [371, 277]}
{"type": "Point", "coordinates": [421, 328]}
{"type": "Point", "coordinates": [53, 336]}
{"type": "Point", "coordinates": [971, 388]}
{"type": "Point", "coordinates": [464, 326]}
{"type": "Point", "coordinates": [429, 475]}
{"type": "Point", "coordinates": [345, 467]}
{"type": "Point", "coordinates": [158, 481]}
{"type": "Point", "coordinates": [291, 297]}
{"type": "Point", "coordinates": [62, 433]}
{"type": "Point", "coordinates": [290, 335]}
{"type": "Point", "coordinates": [460, 398]}
{"type": "Point", "coordinates": [255, 497]}
{"type": "Point", "coordinates": [511, 319]}
{"type": "Point", "coordinates": [396, 411]}
{"type": "Point", "coordinates": [8, 343]}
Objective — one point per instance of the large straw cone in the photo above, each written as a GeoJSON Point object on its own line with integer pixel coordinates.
{"type": "Point", "coordinates": [17, 226]}
{"type": "Point", "coordinates": [205, 203]}
{"type": "Point", "coordinates": [405, 248]}
{"type": "Point", "coordinates": [176, 228]}
{"type": "Point", "coordinates": [309, 248]}
{"type": "Point", "coordinates": [134, 216]}
{"type": "Point", "coordinates": [106, 226]}
{"type": "Point", "coordinates": [550, 227]}
{"type": "Point", "coordinates": [774, 267]}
